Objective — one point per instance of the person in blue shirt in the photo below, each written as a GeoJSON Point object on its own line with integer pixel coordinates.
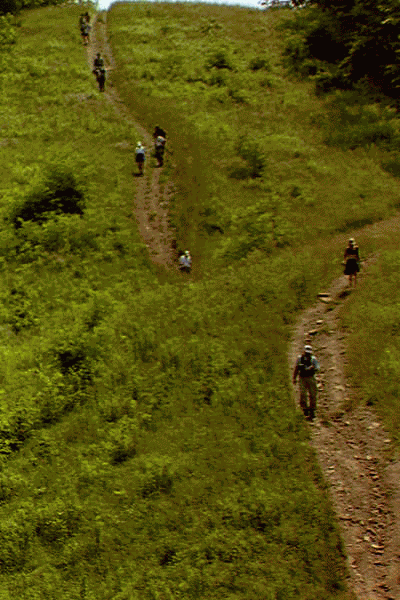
{"type": "Point", "coordinates": [306, 367]}
{"type": "Point", "coordinates": [140, 157]}
{"type": "Point", "coordinates": [185, 262]}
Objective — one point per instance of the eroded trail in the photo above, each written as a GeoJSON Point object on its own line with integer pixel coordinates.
{"type": "Point", "coordinates": [151, 199]}
{"type": "Point", "coordinates": [354, 451]}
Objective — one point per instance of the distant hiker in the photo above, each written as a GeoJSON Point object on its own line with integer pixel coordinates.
{"type": "Point", "coordinates": [100, 74]}
{"type": "Point", "coordinates": [87, 17]}
{"type": "Point", "coordinates": [351, 259]}
{"type": "Point", "coordinates": [140, 157]}
{"type": "Point", "coordinates": [158, 131]}
{"type": "Point", "coordinates": [159, 147]}
{"type": "Point", "coordinates": [85, 31]}
{"type": "Point", "coordinates": [306, 367]}
{"type": "Point", "coordinates": [185, 262]}
{"type": "Point", "coordinates": [98, 62]}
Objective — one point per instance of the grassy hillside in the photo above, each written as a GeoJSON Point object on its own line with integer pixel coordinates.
{"type": "Point", "coordinates": [149, 443]}
{"type": "Point", "coordinates": [249, 140]}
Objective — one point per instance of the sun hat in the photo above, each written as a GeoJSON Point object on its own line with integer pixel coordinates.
{"type": "Point", "coordinates": [308, 349]}
{"type": "Point", "coordinates": [352, 240]}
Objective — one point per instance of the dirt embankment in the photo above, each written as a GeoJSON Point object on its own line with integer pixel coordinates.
{"type": "Point", "coordinates": [353, 450]}
{"type": "Point", "coordinates": [151, 200]}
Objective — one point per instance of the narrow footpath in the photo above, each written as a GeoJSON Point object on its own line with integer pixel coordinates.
{"type": "Point", "coordinates": [352, 448]}
{"type": "Point", "coordinates": [151, 200]}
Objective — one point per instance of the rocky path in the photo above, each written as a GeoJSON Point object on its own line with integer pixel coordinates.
{"type": "Point", "coordinates": [353, 449]}
{"type": "Point", "coordinates": [151, 199]}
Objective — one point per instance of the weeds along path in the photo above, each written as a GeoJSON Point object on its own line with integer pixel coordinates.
{"type": "Point", "coordinates": [152, 199]}
{"type": "Point", "coordinates": [353, 449]}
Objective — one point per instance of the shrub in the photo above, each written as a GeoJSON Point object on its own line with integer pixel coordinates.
{"type": "Point", "coordinates": [249, 149]}
{"type": "Point", "coordinates": [218, 59]}
{"type": "Point", "coordinates": [157, 475]}
{"type": "Point", "coordinates": [14, 540]}
{"type": "Point", "coordinates": [60, 193]}
{"type": "Point", "coordinates": [257, 63]}
{"type": "Point", "coordinates": [56, 522]}
{"type": "Point", "coordinates": [392, 166]}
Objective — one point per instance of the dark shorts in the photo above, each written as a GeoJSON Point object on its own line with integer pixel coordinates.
{"type": "Point", "coordinates": [351, 267]}
{"type": "Point", "coordinates": [139, 158]}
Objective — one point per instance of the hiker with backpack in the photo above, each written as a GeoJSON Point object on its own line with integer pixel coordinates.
{"type": "Point", "coordinates": [100, 74]}
{"type": "Point", "coordinates": [159, 147]}
{"type": "Point", "coordinates": [306, 367]}
{"type": "Point", "coordinates": [140, 157]}
{"type": "Point", "coordinates": [99, 71]}
{"type": "Point", "coordinates": [185, 262]}
{"type": "Point", "coordinates": [98, 62]}
{"type": "Point", "coordinates": [85, 31]}
{"type": "Point", "coordinates": [159, 131]}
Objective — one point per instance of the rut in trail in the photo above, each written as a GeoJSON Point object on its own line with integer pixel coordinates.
{"type": "Point", "coordinates": [353, 450]}
{"type": "Point", "coordinates": [151, 200]}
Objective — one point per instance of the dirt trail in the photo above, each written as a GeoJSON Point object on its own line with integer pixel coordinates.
{"type": "Point", "coordinates": [353, 449]}
{"type": "Point", "coordinates": [151, 199]}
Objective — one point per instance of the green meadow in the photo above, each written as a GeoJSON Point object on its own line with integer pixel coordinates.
{"type": "Point", "coordinates": [149, 443]}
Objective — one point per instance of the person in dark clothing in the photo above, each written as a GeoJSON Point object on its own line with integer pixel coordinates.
{"type": "Point", "coordinates": [159, 131]}
{"type": "Point", "coordinates": [159, 147]}
{"type": "Point", "coordinates": [351, 259]}
{"type": "Point", "coordinates": [85, 30]}
{"type": "Point", "coordinates": [98, 61]}
{"type": "Point", "coordinates": [101, 77]}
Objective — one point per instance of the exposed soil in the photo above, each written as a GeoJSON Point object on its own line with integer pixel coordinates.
{"type": "Point", "coordinates": [352, 447]}
{"type": "Point", "coordinates": [152, 199]}
{"type": "Point", "coordinates": [353, 450]}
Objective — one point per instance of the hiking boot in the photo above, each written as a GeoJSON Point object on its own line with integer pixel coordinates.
{"type": "Point", "coordinates": [311, 415]}
{"type": "Point", "coordinates": [306, 412]}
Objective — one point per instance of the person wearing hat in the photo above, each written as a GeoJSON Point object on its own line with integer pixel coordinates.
{"type": "Point", "coordinates": [306, 367]}
{"type": "Point", "coordinates": [351, 260]}
{"type": "Point", "coordinates": [140, 157]}
{"type": "Point", "coordinates": [185, 262]}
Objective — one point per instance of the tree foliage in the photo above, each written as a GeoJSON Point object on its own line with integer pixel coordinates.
{"type": "Point", "coordinates": [359, 37]}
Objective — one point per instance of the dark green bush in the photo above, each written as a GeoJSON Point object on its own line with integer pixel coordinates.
{"type": "Point", "coordinates": [60, 193]}
{"type": "Point", "coordinates": [21, 312]}
{"type": "Point", "coordinates": [57, 522]}
{"type": "Point", "coordinates": [250, 150]}
{"type": "Point", "coordinates": [392, 166]}
{"type": "Point", "coordinates": [259, 62]}
{"type": "Point", "coordinates": [219, 59]}
{"type": "Point", "coordinates": [365, 134]}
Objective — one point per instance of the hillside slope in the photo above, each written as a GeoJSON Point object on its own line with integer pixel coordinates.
{"type": "Point", "coordinates": [150, 446]}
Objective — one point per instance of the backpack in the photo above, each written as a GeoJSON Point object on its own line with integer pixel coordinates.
{"type": "Point", "coordinates": [303, 364]}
